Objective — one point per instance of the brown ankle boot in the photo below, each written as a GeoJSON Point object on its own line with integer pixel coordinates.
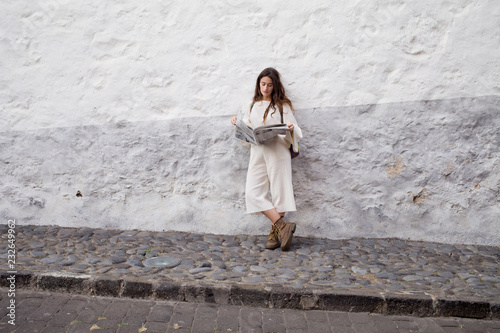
{"type": "Point", "coordinates": [273, 241]}
{"type": "Point", "coordinates": [285, 233]}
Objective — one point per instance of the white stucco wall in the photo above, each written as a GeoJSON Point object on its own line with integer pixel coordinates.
{"type": "Point", "coordinates": [65, 63]}
{"type": "Point", "coordinates": [111, 99]}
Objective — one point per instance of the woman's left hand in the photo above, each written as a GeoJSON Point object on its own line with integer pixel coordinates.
{"type": "Point", "coordinates": [290, 127]}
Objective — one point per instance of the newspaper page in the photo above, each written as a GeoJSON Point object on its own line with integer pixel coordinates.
{"type": "Point", "coordinates": [244, 133]}
{"type": "Point", "coordinates": [260, 135]}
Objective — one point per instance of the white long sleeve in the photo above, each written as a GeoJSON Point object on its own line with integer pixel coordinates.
{"type": "Point", "coordinates": [254, 119]}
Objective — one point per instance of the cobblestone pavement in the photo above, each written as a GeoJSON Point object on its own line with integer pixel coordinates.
{"type": "Point", "coordinates": [373, 266]}
{"type": "Point", "coordinates": [49, 312]}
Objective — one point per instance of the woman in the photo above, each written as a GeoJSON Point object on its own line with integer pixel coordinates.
{"type": "Point", "coordinates": [270, 168]}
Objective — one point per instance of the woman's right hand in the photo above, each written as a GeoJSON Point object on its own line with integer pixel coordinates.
{"type": "Point", "coordinates": [233, 120]}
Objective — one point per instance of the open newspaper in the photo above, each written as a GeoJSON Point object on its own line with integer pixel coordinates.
{"type": "Point", "coordinates": [259, 135]}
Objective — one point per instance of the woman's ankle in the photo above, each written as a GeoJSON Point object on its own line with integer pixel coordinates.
{"type": "Point", "coordinates": [274, 223]}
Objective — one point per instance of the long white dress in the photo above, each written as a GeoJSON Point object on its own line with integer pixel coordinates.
{"type": "Point", "coordinates": [269, 176]}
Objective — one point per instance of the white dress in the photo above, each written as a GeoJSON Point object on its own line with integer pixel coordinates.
{"type": "Point", "coordinates": [269, 176]}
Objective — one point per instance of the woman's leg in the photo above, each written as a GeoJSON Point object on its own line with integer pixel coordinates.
{"type": "Point", "coordinates": [273, 215]}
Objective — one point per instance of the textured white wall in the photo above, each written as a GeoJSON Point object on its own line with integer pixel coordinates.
{"type": "Point", "coordinates": [417, 170]}
{"type": "Point", "coordinates": [128, 103]}
{"type": "Point", "coordinates": [67, 63]}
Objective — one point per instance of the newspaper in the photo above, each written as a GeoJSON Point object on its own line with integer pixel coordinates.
{"type": "Point", "coordinates": [259, 135]}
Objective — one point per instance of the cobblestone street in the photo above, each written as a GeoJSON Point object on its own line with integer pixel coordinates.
{"type": "Point", "coordinates": [366, 265]}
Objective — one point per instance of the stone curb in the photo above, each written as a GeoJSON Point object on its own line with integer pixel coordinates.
{"type": "Point", "coordinates": [258, 296]}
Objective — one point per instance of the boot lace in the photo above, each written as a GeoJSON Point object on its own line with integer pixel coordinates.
{"type": "Point", "coordinates": [274, 232]}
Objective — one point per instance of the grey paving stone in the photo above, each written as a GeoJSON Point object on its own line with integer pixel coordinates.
{"type": "Point", "coordinates": [31, 326]}
{"type": "Point", "coordinates": [428, 325]}
{"type": "Point", "coordinates": [345, 330]}
{"type": "Point", "coordinates": [200, 270]}
{"type": "Point", "coordinates": [250, 318]}
{"type": "Point", "coordinates": [360, 318]}
{"type": "Point", "coordinates": [118, 259]}
{"type": "Point", "coordinates": [53, 329]}
{"type": "Point", "coordinates": [228, 318]}
{"type": "Point", "coordinates": [117, 309]}
{"type": "Point", "coordinates": [240, 269]}
{"type": "Point", "coordinates": [205, 318]}
{"type": "Point", "coordinates": [93, 310]}
{"type": "Point", "coordinates": [37, 245]}
{"type": "Point", "coordinates": [62, 318]}
{"type": "Point", "coordinates": [67, 262]}
{"type": "Point", "coordinates": [411, 278]}
{"type": "Point", "coordinates": [38, 254]}
{"type": "Point", "coordinates": [316, 316]}
{"type": "Point", "coordinates": [369, 327]}
{"type": "Point", "coordinates": [384, 324]}
{"type": "Point", "coordinates": [359, 270]}
{"type": "Point", "coordinates": [272, 322]}
{"type": "Point", "coordinates": [406, 325]}
{"type": "Point", "coordinates": [468, 325]}
{"type": "Point", "coordinates": [294, 320]}
{"type": "Point", "coordinates": [318, 326]}
{"type": "Point", "coordinates": [161, 313]}
{"type": "Point", "coordinates": [337, 319]}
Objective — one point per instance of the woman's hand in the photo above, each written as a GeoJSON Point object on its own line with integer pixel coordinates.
{"type": "Point", "coordinates": [290, 127]}
{"type": "Point", "coordinates": [233, 120]}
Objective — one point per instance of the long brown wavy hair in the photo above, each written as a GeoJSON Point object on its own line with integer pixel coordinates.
{"type": "Point", "coordinates": [278, 97]}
